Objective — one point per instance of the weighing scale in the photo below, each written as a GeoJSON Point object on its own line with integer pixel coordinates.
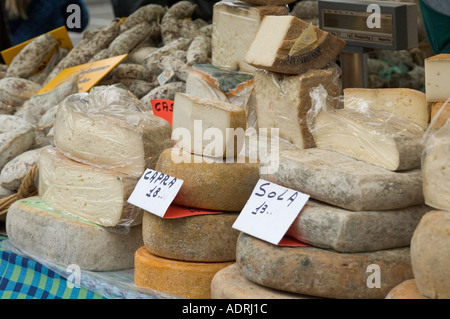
{"type": "Point", "coordinates": [366, 26]}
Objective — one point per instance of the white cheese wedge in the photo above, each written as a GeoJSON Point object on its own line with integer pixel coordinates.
{"type": "Point", "coordinates": [283, 101]}
{"type": "Point", "coordinates": [109, 135]}
{"type": "Point", "coordinates": [287, 44]}
{"type": "Point", "coordinates": [229, 42]}
{"type": "Point", "coordinates": [408, 103]}
{"type": "Point", "coordinates": [437, 78]}
{"type": "Point", "coordinates": [60, 238]}
{"type": "Point", "coordinates": [208, 127]}
{"type": "Point", "coordinates": [94, 194]}
{"type": "Point", "coordinates": [436, 169]}
{"type": "Point", "coordinates": [376, 137]}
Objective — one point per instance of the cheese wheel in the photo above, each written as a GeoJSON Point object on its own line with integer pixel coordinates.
{"type": "Point", "coordinates": [345, 182]}
{"type": "Point", "coordinates": [228, 283]}
{"type": "Point", "coordinates": [405, 290]}
{"type": "Point", "coordinates": [86, 191]}
{"type": "Point", "coordinates": [322, 273]}
{"type": "Point", "coordinates": [218, 186]}
{"type": "Point", "coordinates": [430, 255]}
{"type": "Point", "coordinates": [63, 239]}
{"type": "Point", "coordinates": [327, 226]}
{"type": "Point", "coordinates": [202, 238]}
{"type": "Point", "coordinates": [440, 113]}
{"type": "Point", "coordinates": [186, 279]}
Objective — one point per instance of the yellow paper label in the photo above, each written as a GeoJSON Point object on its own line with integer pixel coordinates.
{"type": "Point", "coordinates": [88, 74]}
{"type": "Point", "coordinates": [305, 41]}
{"type": "Point", "coordinates": [60, 34]}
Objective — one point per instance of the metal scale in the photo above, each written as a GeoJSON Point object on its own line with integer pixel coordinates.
{"type": "Point", "coordinates": [365, 26]}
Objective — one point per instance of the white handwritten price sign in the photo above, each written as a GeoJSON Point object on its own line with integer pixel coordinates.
{"type": "Point", "coordinates": [270, 211]}
{"type": "Point", "coordinates": [155, 191]}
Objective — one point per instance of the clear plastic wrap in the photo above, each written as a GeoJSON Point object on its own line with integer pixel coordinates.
{"type": "Point", "coordinates": [108, 128]}
{"type": "Point", "coordinates": [228, 86]}
{"type": "Point", "coordinates": [282, 101]}
{"type": "Point", "coordinates": [235, 24]}
{"type": "Point", "coordinates": [85, 191]}
{"type": "Point", "coordinates": [436, 160]}
{"type": "Point", "coordinates": [365, 133]}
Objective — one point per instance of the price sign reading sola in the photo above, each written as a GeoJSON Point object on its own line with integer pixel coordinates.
{"type": "Point", "coordinates": [270, 211]}
{"type": "Point", "coordinates": [155, 192]}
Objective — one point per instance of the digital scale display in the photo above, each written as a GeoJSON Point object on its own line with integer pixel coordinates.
{"type": "Point", "coordinates": [397, 26]}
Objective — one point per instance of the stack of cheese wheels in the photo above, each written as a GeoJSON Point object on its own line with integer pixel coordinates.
{"type": "Point", "coordinates": [103, 142]}
{"type": "Point", "coordinates": [364, 179]}
{"type": "Point", "coordinates": [181, 255]}
{"type": "Point", "coordinates": [430, 256]}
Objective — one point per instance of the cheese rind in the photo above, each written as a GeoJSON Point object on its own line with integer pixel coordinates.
{"type": "Point", "coordinates": [218, 186]}
{"type": "Point", "coordinates": [277, 35]}
{"type": "Point", "coordinates": [440, 113]}
{"type": "Point", "coordinates": [86, 191]}
{"type": "Point", "coordinates": [228, 283]}
{"type": "Point", "coordinates": [185, 279]}
{"type": "Point", "coordinates": [342, 181]}
{"type": "Point", "coordinates": [430, 255]}
{"type": "Point", "coordinates": [321, 273]}
{"type": "Point", "coordinates": [437, 78]}
{"type": "Point", "coordinates": [405, 290]}
{"type": "Point", "coordinates": [202, 238]}
{"type": "Point", "coordinates": [331, 227]}
{"type": "Point", "coordinates": [60, 238]}
{"type": "Point", "coordinates": [110, 133]}
{"type": "Point", "coordinates": [376, 137]}
{"type": "Point", "coordinates": [202, 116]}
{"type": "Point", "coordinates": [228, 43]}
{"type": "Point", "coordinates": [407, 103]}
{"type": "Point", "coordinates": [436, 169]}
{"type": "Point", "coordinates": [283, 101]}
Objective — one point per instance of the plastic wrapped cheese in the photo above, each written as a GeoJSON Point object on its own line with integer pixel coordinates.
{"type": "Point", "coordinates": [235, 24]}
{"type": "Point", "coordinates": [108, 128]}
{"type": "Point", "coordinates": [85, 191]}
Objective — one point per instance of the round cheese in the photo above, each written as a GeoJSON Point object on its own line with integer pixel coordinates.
{"type": "Point", "coordinates": [228, 283]}
{"type": "Point", "coordinates": [405, 290]}
{"type": "Point", "coordinates": [202, 238]}
{"type": "Point", "coordinates": [322, 273]}
{"type": "Point", "coordinates": [430, 255]}
{"type": "Point", "coordinates": [63, 239]}
{"type": "Point", "coordinates": [210, 184]}
{"type": "Point", "coordinates": [185, 279]}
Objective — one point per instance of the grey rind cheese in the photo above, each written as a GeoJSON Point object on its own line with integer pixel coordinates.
{"type": "Point", "coordinates": [377, 137]}
{"type": "Point", "coordinates": [16, 137]}
{"type": "Point", "coordinates": [228, 283]}
{"type": "Point", "coordinates": [86, 191]}
{"type": "Point", "coordinates": [430, 255]}
{"type": "Point", "coordinates": [326, 226]}
{"type": "Point", "coordinates": [345, 182]}
{"type": "Point", "coordinates": [40, 231]}
{"type": "Point", "coordinates": [102, 132]}
{"type": "Point", "coordinates": [322, 273]}
{"type": "Point", "coordinates": [203, 238]}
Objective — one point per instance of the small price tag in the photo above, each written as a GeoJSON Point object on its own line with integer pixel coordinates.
{"type": "Point", "coordinates": [270, 211]}
{"type": "Point", "coordinates": [165, 76]}
{"type": "Point", "coordinates": [163, 109]}
{"type": "Point", "coordinates": [155, 191]}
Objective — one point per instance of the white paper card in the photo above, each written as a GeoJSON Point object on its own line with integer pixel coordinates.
{"type": "Point", "coordinates": [155, 191]}
{"type": "Point", "coordinates": [270, 211]}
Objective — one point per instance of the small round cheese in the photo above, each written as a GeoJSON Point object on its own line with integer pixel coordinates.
{"type": "Point", "coordinates": [405, 290]}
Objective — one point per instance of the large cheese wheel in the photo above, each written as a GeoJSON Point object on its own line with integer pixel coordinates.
{"type": "Point", "coordinates": [228, 283]}
{"type": "Point", "coordinates": [430, 255]}
{"type": "Point", "coordinates": [405, 290]}
{"type": "Point", "coordinates": [218, 186]}
{"type": "Point", "coordinates": [63, 239]}
{"type": "Point", "coordinates": [185, 279]}
{"type": "Point", "coordinates": [203, 238]}
{"type": "Point", "coordinates": [345, 182]}
{"type": "Point", "coordinates": [327, 226]}
{"type": "Point", "coordinates": [322, 273]}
